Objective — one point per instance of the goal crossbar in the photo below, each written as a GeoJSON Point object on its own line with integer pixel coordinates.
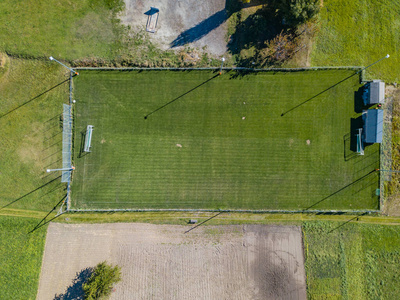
{"type": "Point", "coordinates": [360, 146]}
{"type": "Point", "coordinates": [88, 138]}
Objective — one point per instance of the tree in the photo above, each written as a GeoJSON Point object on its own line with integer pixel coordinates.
{"type": "Point", "coordinates": [296, 12]}
{"type": "Point", "coordinates": [101, 282]}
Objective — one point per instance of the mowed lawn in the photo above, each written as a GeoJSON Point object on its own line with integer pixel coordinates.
{"type": "Point", "coordinates": [359, 33]}
{"type": "Point", "coordinates": [266, 140]}
{"type": "Point", "coordinates": [21, 257]}
{"type": "Point", "coordinates": [352, 261]}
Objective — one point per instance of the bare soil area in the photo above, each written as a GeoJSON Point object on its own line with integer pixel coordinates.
{"type": "Point", "coordinates": [181, 23]}
{"type": "Point", "coordinates": [167, 262]}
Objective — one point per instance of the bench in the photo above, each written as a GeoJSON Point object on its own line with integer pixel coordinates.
{"type": "Point", "coordinates": [152, 20]}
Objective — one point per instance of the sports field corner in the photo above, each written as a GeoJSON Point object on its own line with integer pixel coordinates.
{"type": "Point", "coordinates": [192, 139]}
{"type": "Point", "coordinates": [169, 262]}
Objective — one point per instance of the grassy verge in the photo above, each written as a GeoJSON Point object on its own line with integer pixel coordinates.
{"type": "Point", "coordinates": [67, 30]}
{"type": "Point", "coordinates": [353, 261]}
{"type": "Point", "coordinates": [21, 254]}
{"type": "Point", "coordinates": [359, 33]}
{"type": "Point", "coordinates": [30, 138]}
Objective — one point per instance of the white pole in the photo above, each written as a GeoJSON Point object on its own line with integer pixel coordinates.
{"type": "Point", "coordinates": [387, 56]}
{"type": "Point", "coordinates": [222, 63]}
{"type": "Point", "coordinates": [72, 70]}
{"type": "Point", "coordinates": [62, 169]}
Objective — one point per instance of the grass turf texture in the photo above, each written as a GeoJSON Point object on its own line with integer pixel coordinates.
{"type": "Point", "coordinates": [196, 151]}
{"type": "Point", "coordinates": [68, 30]}
{"type": "Point", "coordinates": [21, 254]}
{"type": "Point", "coordinates": [352, 261]}
{"type": "Point", "coordinates": [30, 137]}
{"type": "Point", "coordinates": [350, 32]}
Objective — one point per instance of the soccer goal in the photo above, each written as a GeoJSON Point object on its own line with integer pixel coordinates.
{"type": "Point", "coordinates": [360, 146]}
{"type": "Point", "coordinates": [88, 138]}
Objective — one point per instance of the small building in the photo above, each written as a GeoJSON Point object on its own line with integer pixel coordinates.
{"type": "Point", "coordinates": [373, 126]}
{"type": "Point", "coordinates": [374, 92]}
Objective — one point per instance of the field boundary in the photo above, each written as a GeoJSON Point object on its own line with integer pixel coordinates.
{"type": "Point", "coordinates": [360, 72]}
{"type": "Point", "coordinates": [271, 211]}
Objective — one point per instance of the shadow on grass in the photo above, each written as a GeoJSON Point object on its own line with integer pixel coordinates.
{"type": "Point", "coordinates": [184, 94]}
{"type": "Point", "coordinates": [75, 290]}
{"type": "Point", "coordinates": [31, 192]}
{"type": "Point", "coordinates": [320, 93]}
{"type": "Point", "coordinates": [203, 222]}
{"type": "Point", "coordinates": [34, 98]}
{"type": "Point", "coordinates": [44, 221]}
{"type": "Point", "coordinates": [339, 190]}
{"type": "Point", "coordinates": [348, 221]}
{"type": "Point", "coordinates": [254, 31]}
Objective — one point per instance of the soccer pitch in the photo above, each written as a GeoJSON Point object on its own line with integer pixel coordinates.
{"type": "Point", "coordinates": [197, 140]}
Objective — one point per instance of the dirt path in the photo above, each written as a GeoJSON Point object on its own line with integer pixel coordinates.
{"type": "Point", "coordinates": [164, 262]}
{"type": "Point", "coordinates": [182, 23]}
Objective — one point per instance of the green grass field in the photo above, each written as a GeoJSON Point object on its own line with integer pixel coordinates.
{"type": "Point", "coordinates": [220, 142]}
{"type": "Point", "coordinates": [359, 33]}
{"type": "Point", "coordinates": [352, 261]}
{"type": "Point", "coordinates": [30, 137]}
{"type": "Point", "coordinates": [67, 30]}
{"type": "Point", "coordinates": [21, 257]}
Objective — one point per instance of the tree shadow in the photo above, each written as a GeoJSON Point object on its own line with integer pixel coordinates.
{"type": "Point", "coordinates": [254, 31]}
{"type": "Point", "coordinates": [75, 290]}
{"type": "Point", "coordinates": [206, 26]}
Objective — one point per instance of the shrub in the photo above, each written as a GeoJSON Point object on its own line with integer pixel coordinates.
{"type": "Point", "coordinates": [101, 282]}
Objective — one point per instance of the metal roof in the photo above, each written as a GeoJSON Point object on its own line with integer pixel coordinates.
{"type": "Point", "coordinates": [373, 126]}
{"type": "Point", "coordinates": [376, 92]}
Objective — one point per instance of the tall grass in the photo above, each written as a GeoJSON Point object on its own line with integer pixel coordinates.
{"type": "Point", "coordinates": [352, 261]}
{"type": "Point", "coordinates": [359, 33]}
{"type": "Point", "coordinates": [21, 257]}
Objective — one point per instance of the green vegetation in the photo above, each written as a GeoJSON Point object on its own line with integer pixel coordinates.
{"type": "Point", "coordinates": [359, 33]}
{"type": "Point", "coordinates": [30, 121]}
{"type": "Point", "coordinates": [220, 142]}
{"type": "Point", "coordinates": [352, 261]}
{"type": "Point", "coordinates": [101, 282]}
{"type": "Point", "coordinates": [65, 29]}
{"type": "Point", "coordinates": [296, 12]}
{"type": "Point", "coordinates": [21, 257]}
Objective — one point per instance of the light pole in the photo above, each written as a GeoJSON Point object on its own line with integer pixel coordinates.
{"type": "Point", "coordinates": [62, 169]}
{"type": "Point", "coordinates": [387, 56]}
{"type": "Point", "coordinates": [390, 171]}
{"type": "Point", "coordinates": [222, 63]}
{"type": "Point", "coordinates": [72, 70]}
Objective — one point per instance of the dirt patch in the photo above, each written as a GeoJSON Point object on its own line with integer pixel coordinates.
{"type": "Point", "coordinates": [164, 262]}
{"type": "Point", "coordinates": [189, 23]}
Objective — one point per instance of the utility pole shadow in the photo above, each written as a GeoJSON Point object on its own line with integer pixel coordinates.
{"type": "Point", "coordinates": [43, 221]}
{"type": "Point", "coordinates": [320, 93]}
{"type": "Point", "coordinates": [338, 191]}
{"type": "Point", "coordinates": [203, 222]}
{"type": "Point", "coordinates": [348, 221]}
{"type": "Point", "coordinates": [34, 98]}
{"type": "Point", "coordinates": [31, 192]}
{"type": "Point", "coordinates": [168, 103]}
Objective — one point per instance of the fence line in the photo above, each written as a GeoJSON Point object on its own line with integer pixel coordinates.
{"type": "Point", "coordinates": [358, 68]}
{"type": "Point", "coordinates": [272, 211]}
{"type": "Point", "coordinates": [355, 68]}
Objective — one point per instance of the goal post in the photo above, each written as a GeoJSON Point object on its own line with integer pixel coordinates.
{"type": "Point", "coordinates": [88, 138]}
{"type": "Point", "coordinates": [360, 145]}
